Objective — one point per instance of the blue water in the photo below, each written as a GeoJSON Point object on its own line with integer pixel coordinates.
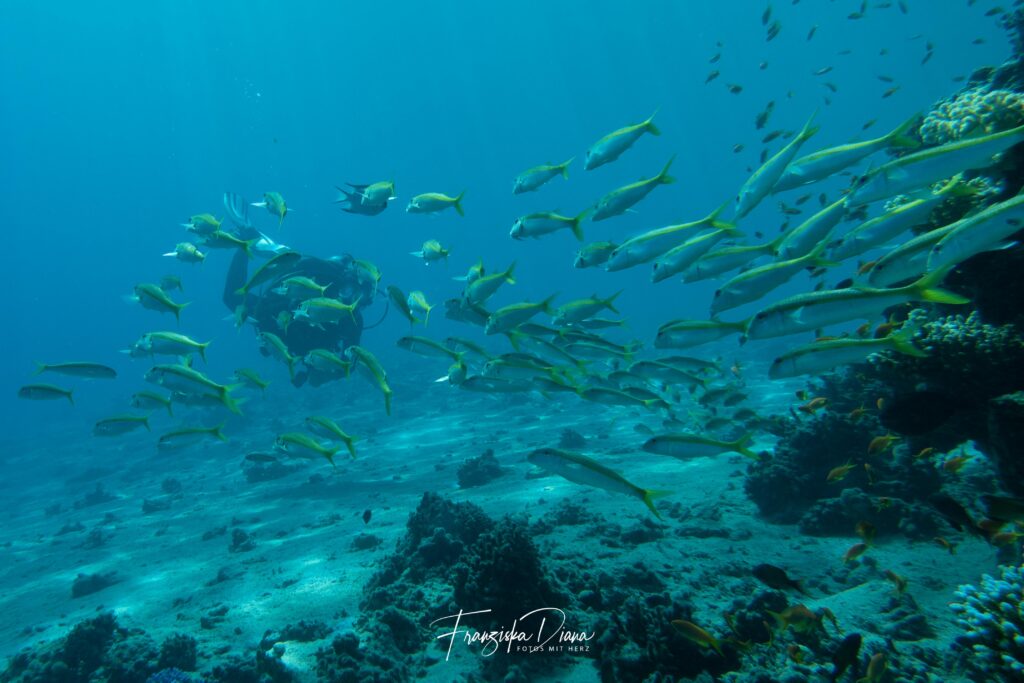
{"type": "Point", "coordinates": [120, 120]}
{"type": "Point", "coordinates": [119, 123]}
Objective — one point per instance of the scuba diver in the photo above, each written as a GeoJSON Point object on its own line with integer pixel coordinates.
{"type": "Point", "coordinates": [270, 310]}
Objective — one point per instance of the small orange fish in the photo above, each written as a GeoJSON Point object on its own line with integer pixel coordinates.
{"type": "Point", "coordinates": [827, 337]}
{"type": "Point", "coordinates": [802, 619]}
{"type": "Point", "coordinates": [880, 404]}
{"type": "Point", "coordinates": [1006, 538]}
{"type": "Point", "coordinates": [865, 267]}
{"type": "Point", "coordinates": [826, 613]}
{"type": "Point", "coordinates": [883, 503]}
{"type": "Point", "coordinates": [867, 531]}
{"type": "Point", "coordinates": [876, 669]}
{"type": "Point", "coordinates": [863, 330]}
{"type": "Point", "coordinates": [880, 444]}
{"type": "Point", "coordinates": [813, 405]}
{"type": "Point", "coordinates": [955, 464]}
{"type": "Point", "coordinates": [950, 548]}
{"type": "Point", "coordinates": [870, 472]}
{"type": "Point", "coordinates": [839, 473]}
{"type": "Point", "coordinates": [795, 653]}
{"type": "Point", "coordinates": [857, 413]}
{"type": "Point", "coordinates": [697, 635]}
{"type": "Point", "coordinates": [924, 452]}
{"type": "Point", "coordinates": [991, 526]}
{"type": "Point", "coordinates": [898, 581]}
{"type": "Point", "coordinates": [884, 329]}
{"type": "Point", "coordinates": [854, 552]}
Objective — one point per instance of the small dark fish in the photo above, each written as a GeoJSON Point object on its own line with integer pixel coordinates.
{"type": "Point", "coordinates": [260, 457]}
{"type": "Point", "coordinates": [762, 66]}
{"type": "Point", "coordinates": [890, 92]}
{"type": "Point", "coordinates": [734, 88]}
{"type": "Point", "coordinates": [844, 284]}
{"type": "Point", "coordinates": [766, 16]}
{"type": "Point", "coordinates": [771, 136]}
{"type": "Point", "coordinates": [810, 34]}
{"type": "Point", "coordinates": [959, 79]}
{"type": "Point", "coordinates": [828, 101]}
{"type": "Point", "coordinates": [831, 86]}
{"type": "Point", "coordinates": [845, 52]}
{"type": "Point", "coordinates": [366, 516]}
{"type": "Point", "coordinates": [978, 41]}
{"type": "Point", "coordinates": [762, 118]}
{"type": "Point", "coordinates": [773, 30]}
{"type": "Point", "coordinates": [854, 16]}
{"type": "Point", "coordinates": [953, 512]}
{"type": "Point", "coordinates": [802, 199]}
{"type": "Point", "coordinates": [1004, 508]}
{"type": "Point", "coordinates": [903, 6]}
{"type": "Point", "coordinates": [846, 655]}
{"type": "Point", "coordinates": [822, 71]}
{"type": "Point", "coordinates": [883, 52]}
{"type": "Point", "coordinates": [764, 155]}
{"type": "Point", "coordinates": [718, 55]}
{"type": "Point", "coordinates": [927, 57]}
{"type": "Point", "coordinates": [885, 79]}
{"type": "Point", "coordinates": [869, 124]}
{"type": "Point", "coordinates": [994, 11]}
{"type": "Point", "coordinates": [737, 148]}
{"type": "Point", "coordinates": [823, 199]}
{"type": "Point", "coordinates": [776, 577]}
{"type": "Point", "coordinates": [711, 76]}
{"type": "Point", "coordinates": [929, 46]}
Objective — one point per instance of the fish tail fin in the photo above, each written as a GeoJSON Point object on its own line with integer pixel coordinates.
{"type": "Point", "coordinates": [780, 620]}
{"type": "Point", "coordinates": [177, 310]}
{"type": "Point", "coordinates": [740, 445]}
{"type": "Point", "coordinates": [664, 178]}
{"type": "Point", "coordinates": [426, 318]}
{"type": "Point", "coordinates": [231, 404]}
{"type": "Point", "coordinates": [248, 247]}
{"type": "Point", "coordinates": [649, 123]}
{"type": "Point", "coordinates": [291, 367]}
{"type": "Point", "coordinates": [509, 278]}
{"type": "Point", "coordinates": [71, 398]}
{"type": "Point", "coordinates": [145, 423]}
{"type": "Point", "coordinates": [40, 368]}
{"type": "Point", "coordinates": [387, 401]}
{"type": "Point", "coordinates": [713, 221]}
{"type": "Point", "coordinates": [546, 304]}
{"type": "Point", "coordinates": [809, 128]}
{"type": "Point", "coordinates": [577, 229]}
{"type": "Point", "coordinates": [565, 168]}
{"type": "Point", "coordinates": [202, 351]}
{"type": "Point", "coordinates": [350, 444]}
{"type": "Point", "coordinates": [651, 495]}
{"type": "Point", "coordinates": [957, 187]}
{"type": "Point", "coordinates": [927, 288]}
{"type": "Point", "coordinates": [458, 203]}
{"type": "Point", "coordinates": [898, 137]}
{"type": "Point", "coordinates": [217, 432]}
{"type": "Point", "coordinates": [609, 302]}
{"type": "Point", "coordinates": [903, 340]}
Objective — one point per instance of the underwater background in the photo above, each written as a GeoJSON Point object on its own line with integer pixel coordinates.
{"type": "Point", "coordinates": [238, 561]}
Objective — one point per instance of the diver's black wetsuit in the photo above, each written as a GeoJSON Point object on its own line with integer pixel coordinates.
{"type": "Point", "coordinates": [343, 282]}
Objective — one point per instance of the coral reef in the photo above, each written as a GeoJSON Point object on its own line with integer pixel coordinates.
{"type": "Point", "coordinates": [452, 556]}
{"type": "Point", "coordinates": [992, 644]}
{"type": "Point", "coordinates": [87, 584]}
{"type": "Point", "coordinates": [480, 470]}
{"type": "Point", "coordinates": [970, 111]}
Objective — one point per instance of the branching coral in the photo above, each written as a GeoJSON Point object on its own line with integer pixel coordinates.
{"type": "Point", "coordinates": [992, 616]}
